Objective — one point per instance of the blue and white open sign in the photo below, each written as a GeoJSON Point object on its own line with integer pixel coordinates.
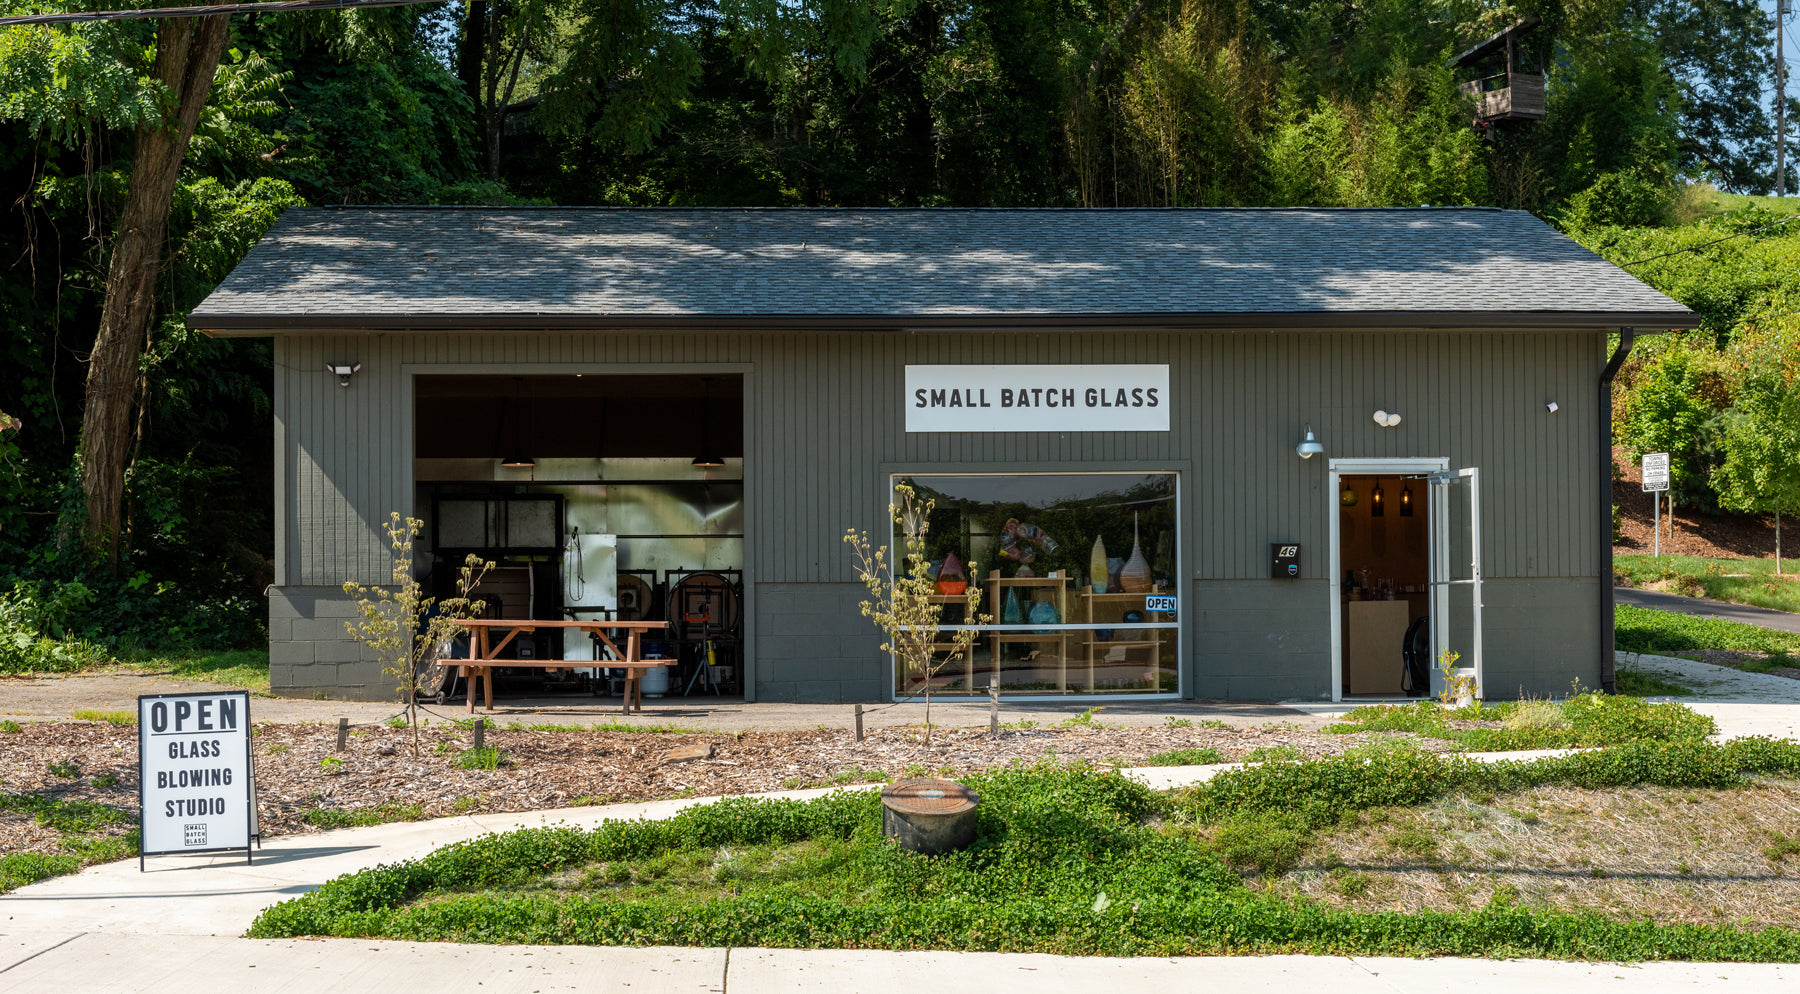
{"type": "Point", "coordinates": [1156, 602]}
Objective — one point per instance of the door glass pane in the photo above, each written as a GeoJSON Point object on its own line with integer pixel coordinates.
{"type": "Point", "coordinates": [1458, 604]}
{"type": "Point", "coordinates": [1077, 574]}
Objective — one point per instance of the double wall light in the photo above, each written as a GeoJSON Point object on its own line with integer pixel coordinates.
{"type": "Point", "coordinates": [342, 372]}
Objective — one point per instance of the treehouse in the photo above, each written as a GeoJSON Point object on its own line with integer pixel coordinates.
{"type": "Point", "coordinates": [1500, 90]}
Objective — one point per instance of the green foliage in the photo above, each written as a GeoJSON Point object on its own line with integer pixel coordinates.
{"type": "Point", "coordinates": [1641, 629]}
{"type": "Point", "coordinates": [10, 726]}
{"type": "Point", "coordinates": [109, 717]}
{"type": "Point", "coordinates": [1067, 860]}
{"type": "Point", "coordinates": [484, 758]}
{"type": "Point", "coordinates": [1620, 199]}
{"type": "Point", "coordinates": [1186, 757]}
{"type": "Point", "coordinates": [75, 821]}
{"type": "Point", "coordinates": [1590, 719]}
{"type": "Point", "coordinates": [329, 818]}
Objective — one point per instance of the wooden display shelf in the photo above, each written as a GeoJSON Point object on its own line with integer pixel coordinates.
{"type": "Point", "coordinates": [1112, 608]}
{"type": "Point", "coordinates": [1058, 585]}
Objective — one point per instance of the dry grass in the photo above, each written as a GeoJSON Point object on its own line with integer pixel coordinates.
{"type": "Point", "coordinates": [1665, 855]}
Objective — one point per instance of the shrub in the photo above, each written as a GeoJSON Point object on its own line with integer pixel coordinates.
{"type": "Point", "coordinates": [1186, 757]}
{"type": "Point", "coordinates": [1536, 715]}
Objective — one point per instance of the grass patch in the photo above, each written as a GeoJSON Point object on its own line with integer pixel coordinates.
{"type": "Point", "coordinates": [1740, 581]}
{"type": "Point", "coordinates": [10, 726]}
{"type": "Point", "coordinates": [246, 668]}
{"type": "Point", "coordinates": [484, 758]}
{"type": "Point", "coordinates": [79, 823]}
{"type": "Point", "coordinates": [1186, 757]}
{"type": "Point", "coordinates": [110, 717]}
{"type": "Point", "coordinates": [1642, 629]}
{"type": "Point", "coordinates": [1584, 720]}
{"type": "Point", "coordinates": [1067, 860]}
{"type": "Point", "coordinates": [360, 817]}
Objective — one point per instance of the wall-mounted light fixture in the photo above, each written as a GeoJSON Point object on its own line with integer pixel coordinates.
{"type": "Point", "coordinates": [1553, 407]}
{"type": "Point", "coordinates": [1309, 446]}
{"type": "Point", "coordinates": [1387, 419]}
{"type": "Point", "coordinates": [1405, 501]}
{"type": "Point", "coordinates": [1376, 510]}
{"type": "Point", "coordinates": [343, 373]}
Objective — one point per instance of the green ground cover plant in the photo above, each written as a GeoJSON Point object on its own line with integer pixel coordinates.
{"type": "Point", "coordinates": [1740, 581]}
{"type": "Point", "coordinates": [1067, 860]}
{"type": "Point", "coordinates": [110, 717]}
{"type": "Point", "coordinates": [81, 824]}
{"type": "Point", "coordinates": [1186, 757]}
{"type": "Point", "coordinates": [1642, 629]}
{"type": "Point", "coordinates": [334, 818]}
{"type": "Point", "coordinates": [1585, 720]}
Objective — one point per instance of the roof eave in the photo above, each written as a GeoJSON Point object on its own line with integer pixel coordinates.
{"type": "Point", "coordinates": [262, 325]}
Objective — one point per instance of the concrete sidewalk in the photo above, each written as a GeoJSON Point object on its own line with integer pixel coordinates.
{"type": "Point", "coordinates": [52, 964]}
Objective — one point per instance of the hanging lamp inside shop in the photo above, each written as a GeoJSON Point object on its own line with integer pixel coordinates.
{"type": "Point", "coordinates": [1405, 501]}
{"type": "Point", "coordinates": [1347, 496]}
{"type": "Point", "coordinates": [1376, 509]}
{"type": "Point", "coordinates": [518, 459]}
{"type": "Point", "coordinates": [706, 459]}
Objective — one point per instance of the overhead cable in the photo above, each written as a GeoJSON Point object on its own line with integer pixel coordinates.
{"type": "Point", "coordinates": [166, 13]}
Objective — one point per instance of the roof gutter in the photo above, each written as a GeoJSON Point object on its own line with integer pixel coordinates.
{"type": "Point", "coordinates": [227, 325]}
{"type": "Point", "coordinates": [1609, 680]}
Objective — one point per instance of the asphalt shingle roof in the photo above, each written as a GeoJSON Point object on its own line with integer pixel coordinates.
{"type": "Point", "coordinates": [498, 268]}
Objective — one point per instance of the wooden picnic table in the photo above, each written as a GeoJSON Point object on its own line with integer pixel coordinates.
{"type": "Point", "coordinates": [484, 653]}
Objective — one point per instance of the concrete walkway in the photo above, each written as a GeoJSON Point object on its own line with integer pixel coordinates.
{"type": "Point", "coordinates": [1786, 621]}
{"type": "Point", "coordinates": [171, 929]}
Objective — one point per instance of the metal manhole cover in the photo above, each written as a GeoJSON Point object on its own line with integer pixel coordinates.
{"type": "Point", "coordinates": [928, 797]}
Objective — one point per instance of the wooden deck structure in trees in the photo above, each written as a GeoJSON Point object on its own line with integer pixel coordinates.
{"type": "Point", "coordinates": [1500, 90]}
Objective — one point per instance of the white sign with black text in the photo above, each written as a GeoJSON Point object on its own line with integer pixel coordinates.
{"type": "Point", "coordinates": [1656, 472]}
{"type": "Point", "coordinates": [1037, 398]}
{"type": "Point", "coordinates": [194, 775]}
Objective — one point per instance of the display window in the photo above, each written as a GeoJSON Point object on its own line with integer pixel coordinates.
{"type": "Point", "coordinates": [1077, 573]}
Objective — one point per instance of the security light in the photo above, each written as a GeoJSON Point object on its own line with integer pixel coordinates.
{"type": "Point", "coordinates": [343, 373]}
{"type": "Point", "coordinates": [1386, 419]}
{"type": "Point", "coordinates": [1552, 407]}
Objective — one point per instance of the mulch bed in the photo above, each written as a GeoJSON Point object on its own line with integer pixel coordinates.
{"type": "Point", "coordinates": [560, 769]}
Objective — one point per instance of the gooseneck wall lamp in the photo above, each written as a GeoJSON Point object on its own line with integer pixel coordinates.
{"type": "Point", "coordinates": [1309, 446]}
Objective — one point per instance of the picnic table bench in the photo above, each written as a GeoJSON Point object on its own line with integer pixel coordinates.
{"type": "Point", "coordinates": [484, 653]}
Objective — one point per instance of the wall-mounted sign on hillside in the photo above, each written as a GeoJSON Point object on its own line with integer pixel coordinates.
{"type": "Point", "coordinates": [1037, 398]}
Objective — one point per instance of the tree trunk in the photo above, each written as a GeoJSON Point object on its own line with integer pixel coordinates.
{"type": "Point", "coordinates": [187, 56]}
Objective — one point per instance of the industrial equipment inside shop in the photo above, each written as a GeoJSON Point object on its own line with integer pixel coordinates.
{"type": "Point", "coordinates": [597, 498]}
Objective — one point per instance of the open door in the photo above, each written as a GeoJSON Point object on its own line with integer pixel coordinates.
{"type": "Point", "coordinates": [1455, 509]}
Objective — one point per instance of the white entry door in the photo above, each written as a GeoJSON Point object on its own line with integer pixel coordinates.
{"type": "Point", "coordinates": [1455, 508]}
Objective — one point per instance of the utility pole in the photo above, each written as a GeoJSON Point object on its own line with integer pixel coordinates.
{"type": "Point", "coordinates": [1782, 9]}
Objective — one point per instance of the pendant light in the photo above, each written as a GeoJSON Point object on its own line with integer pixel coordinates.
{"type": "Point", "coordinates": [1376, 509]}
{"type": "Point", "coordinates": [518, 459]}
{"type": "Point", "coordinates": [1347, 496]}
{"type": "Point", "coordinates": [1405, 501]}
{"type": "Point", "coordinates": [706, 459]}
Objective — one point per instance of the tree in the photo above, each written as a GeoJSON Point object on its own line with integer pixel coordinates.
{"type": "Point", "coordinates": [187, 57]}
{"type": "Point", "coordinates": [1761, 434]}
{"type": "Point", "coordinates": [405, 628]}
{"type": "Point", "coordinates": [901, 604]}
{"type": "Point", "coordinates": [1671, 407]}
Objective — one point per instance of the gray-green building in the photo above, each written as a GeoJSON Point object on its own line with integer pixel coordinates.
{"type": "Point", "coordinates": [1192, 453]}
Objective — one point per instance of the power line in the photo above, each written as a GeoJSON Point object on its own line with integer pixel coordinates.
{"type": "Point", "coordinates": [1694, 248]}
{"type": "Point", "coordinates": [167, 13]}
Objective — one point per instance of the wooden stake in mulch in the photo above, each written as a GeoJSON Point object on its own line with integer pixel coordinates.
{"type": "Point", "coordinates": [993, 711]}
{"type": "Point", "coordinates": [480, 731]}
{"type": "Point", "coordinates": [859, 723]}
{"type": "Point", "coordinates": [343, 733]}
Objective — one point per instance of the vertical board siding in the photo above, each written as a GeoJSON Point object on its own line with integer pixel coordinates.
{"type": "Point", "coordinates": [827, 412]}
